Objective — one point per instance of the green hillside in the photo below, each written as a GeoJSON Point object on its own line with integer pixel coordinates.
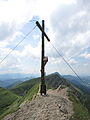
{"type": "Point", "coordinates": [27, 89]}
{"type": "Point", "coordinates": [52, 81]}
{"type": "Point", "coordinates": [15, 103]}
{"type": "Point", "coordinates": [24, 87]}
{"type": "Point", "coordinates": [6, 99]}
{"type": "Point", "coordinates": [80, 110]}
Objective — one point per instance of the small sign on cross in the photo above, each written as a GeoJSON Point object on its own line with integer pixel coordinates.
{"type": "Point", "coordinates": [45, 60]}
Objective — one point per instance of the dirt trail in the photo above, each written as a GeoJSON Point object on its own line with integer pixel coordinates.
{"type": "Point", "coordinates": [54, 106]}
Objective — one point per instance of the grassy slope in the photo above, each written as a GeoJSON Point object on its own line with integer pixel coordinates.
{"type": "Point", "coordinates": [52, 81]}
{"type": "Point", "coordinates": [6, 99]}
{"type": "Point", "coordinates": [16, 104]}
{"type": "Point", "coordinates": [29, 88]}
{"type": "Point", "coordinates": [80, 112]}
{"type": "Point", "coordinates": [23, 88]}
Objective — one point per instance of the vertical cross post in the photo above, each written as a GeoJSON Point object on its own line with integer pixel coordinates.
{"type": "Point", "coordinates": [43, 86]}
{"type": "Point", "coordinates": [44, 59]}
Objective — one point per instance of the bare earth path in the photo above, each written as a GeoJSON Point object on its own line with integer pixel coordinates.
{"type": "Point", "coordinates": [54, 106]}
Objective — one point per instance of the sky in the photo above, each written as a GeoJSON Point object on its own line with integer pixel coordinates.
{"type": "Point", "coordinates": [67, 24]}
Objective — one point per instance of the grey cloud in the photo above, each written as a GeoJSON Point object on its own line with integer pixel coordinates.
{"type": "Point", "coordinates": [6, 31]}
{"type": "Point", "coordinates": [69, 22]}
{"type": "Point", "coordinates": [84, 4]}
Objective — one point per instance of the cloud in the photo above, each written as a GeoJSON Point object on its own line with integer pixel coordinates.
{"type": "Point", "coordinates": [72, 61]}
{"type": "Point", "coordinates": [86, 55]}
{"type": "Point", "coordinates": [25, 61]}
{"type": "Point", "coordinates": [71, 28]}
{"type": "Point", "coordinates": [31, 51]}
{"type": "Point", "coordinates": [16, 11]}
{"type": "Point", "coordinates": [67, 21]}
{"type": "Point", "coordinates": [6, 31]}
{"type": "Point", "coordinates": [13, 16]}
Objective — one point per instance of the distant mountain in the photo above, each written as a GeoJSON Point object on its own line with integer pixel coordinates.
{"type": "Point", "coordinates": [83, 84]}
{"type": "Point", "coordinates": [12, 82]}
{"type": "Point", "coordinates": [9, 80]}
{"type": "Point", "coordinates": [16, 76]}
{"type": "Point", "coordinates": [86, 79]}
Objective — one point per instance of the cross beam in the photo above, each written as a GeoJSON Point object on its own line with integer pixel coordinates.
{"type": "Point", "coordinates": [39, 26]}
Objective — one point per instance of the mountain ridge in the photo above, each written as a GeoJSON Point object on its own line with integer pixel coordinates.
{"type": "Point", "coordinates": [29, 88]}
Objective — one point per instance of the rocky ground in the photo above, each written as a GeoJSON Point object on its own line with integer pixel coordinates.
{"type": "Point", "coordinates": [54, 106]}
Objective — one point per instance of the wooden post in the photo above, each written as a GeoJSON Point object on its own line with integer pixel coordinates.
{"type": "Point", "coordinates": [44, 59]}
{"type": "Point", "coordinates": [43, 86]}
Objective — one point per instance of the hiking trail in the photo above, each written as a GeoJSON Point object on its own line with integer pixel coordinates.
{"type": "Point", "coordinates": [54, 106]}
